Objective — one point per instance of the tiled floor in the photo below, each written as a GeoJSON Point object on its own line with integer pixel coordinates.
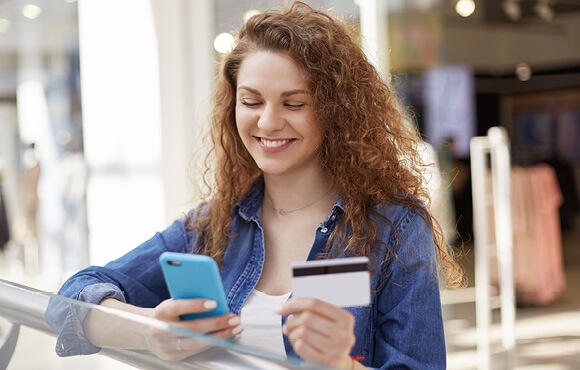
{"type": "Point", "coordinates": [547, 338]}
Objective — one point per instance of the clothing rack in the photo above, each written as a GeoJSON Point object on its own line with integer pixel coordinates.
{"type": "Point", "coordinates": [490, 166]}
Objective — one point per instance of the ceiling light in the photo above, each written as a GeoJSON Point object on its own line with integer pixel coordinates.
{"type": "Point", "coordinates": [250, 13]}
{"type": "Point", "coordinates": [31, 11]}
{"type": "Point", "coordinates": [4, 25]}
{"type": "Point", "coordinates": [423, 5]}
{"type": "Point", "coordinates": [512, 9]}
{"type": "Point", "coordinates": [465, 8]}
{"type": "Point", "coordinates": [223, 42]}
{"type": "Point", "coordinates": [544, 10]}
{"type": "Point", "coordinates": [523, 72]}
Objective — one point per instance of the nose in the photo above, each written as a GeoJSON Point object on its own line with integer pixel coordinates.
{"type": "Point", "coordinates": [271, 120]}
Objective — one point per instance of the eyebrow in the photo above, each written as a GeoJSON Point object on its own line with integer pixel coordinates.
{"type": "Point", "coordinates": [284, 94]}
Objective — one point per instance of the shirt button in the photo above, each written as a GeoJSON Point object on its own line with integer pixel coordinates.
{"type": "Point", "coordinates": [333, 217]}
{"type": "Point", "coordinates": [323, 230]}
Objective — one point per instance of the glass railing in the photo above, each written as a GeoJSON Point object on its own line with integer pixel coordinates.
{"type": "Point", "coordinates": [28, 339]}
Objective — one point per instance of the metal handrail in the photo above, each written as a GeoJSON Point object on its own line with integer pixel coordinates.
{"type": "Point", "coordinates": [26, 306]}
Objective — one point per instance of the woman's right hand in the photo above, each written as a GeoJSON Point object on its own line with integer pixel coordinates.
{"type": "Point", "coordinates": [172, 346]}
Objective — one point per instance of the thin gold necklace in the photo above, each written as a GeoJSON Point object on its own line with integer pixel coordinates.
{"type": "Point", "coordinates": [283, 212]}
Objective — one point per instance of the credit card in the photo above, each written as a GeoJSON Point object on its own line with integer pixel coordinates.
{"type": "Point", "coordinates": [343, 282]}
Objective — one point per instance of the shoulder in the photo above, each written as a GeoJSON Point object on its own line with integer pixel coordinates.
{"type": "Point", "coordinates": [184, 230]}
{"type": "Point", "coordinates": [402, 217]}
{"type": "Point", "coordinates": [405, 234]}
{"type": "Point", "coordinates": [177, 229]}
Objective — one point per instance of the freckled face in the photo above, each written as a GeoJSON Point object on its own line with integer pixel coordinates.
{"type": "Point", "coordinates": [275, 115]}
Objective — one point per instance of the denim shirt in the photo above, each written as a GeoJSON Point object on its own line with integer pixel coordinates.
{"type": "Point", "coordinates": [401, 328]}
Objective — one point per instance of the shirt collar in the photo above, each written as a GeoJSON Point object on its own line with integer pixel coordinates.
{"type": "Point", "coordinates": [250, 206]}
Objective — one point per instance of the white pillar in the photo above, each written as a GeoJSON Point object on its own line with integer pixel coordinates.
{"type": "Point", "coordinates": [185, 31]}
{"type": "Point", "coordinates": [375, 35]}
{"type": "Point", "coordinates": [146, 79]}
{"type": "Point", "coordinates": [122, 125]}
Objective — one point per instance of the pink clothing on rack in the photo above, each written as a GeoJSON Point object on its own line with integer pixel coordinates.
{"type": "Point", "coordinates": [538, 258]}
{"type": "Point", "coordinates": [523, 230]}
{"type": "Point", "coordinates": [537, 241]}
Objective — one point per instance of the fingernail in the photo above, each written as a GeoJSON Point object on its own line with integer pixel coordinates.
{"type": "Point", "coordinates": [210, 304]}
{"type": "Point", "coordinates": [234, 321]}
{"type": "Point", "coordinates": [237, 330]}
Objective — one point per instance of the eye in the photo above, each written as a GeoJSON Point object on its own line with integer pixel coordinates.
{"type": "Point", "coordinates": [294, 105]}
{"type": "Point", "coordinates": [250, 103]}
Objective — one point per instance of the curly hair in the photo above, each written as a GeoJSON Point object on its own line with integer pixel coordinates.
{"type": "Point", "coordinates": [369, 150]}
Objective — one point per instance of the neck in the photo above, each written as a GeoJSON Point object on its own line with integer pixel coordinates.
{"type": "Point", "coordinates": [286, 195]}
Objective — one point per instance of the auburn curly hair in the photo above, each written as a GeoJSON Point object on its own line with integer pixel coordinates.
{"type": "Point", "coordinates": [369, 150]}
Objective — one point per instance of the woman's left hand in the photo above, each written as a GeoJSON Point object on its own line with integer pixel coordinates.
{"type": "Point", "coordinates": [319, 332]}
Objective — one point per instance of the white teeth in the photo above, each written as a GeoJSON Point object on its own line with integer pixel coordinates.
{"type": "Point", "coordinates": [274, 143]}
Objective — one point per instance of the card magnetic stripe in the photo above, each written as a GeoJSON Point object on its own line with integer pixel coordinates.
{"type": "Point", "coordinates": [323, 270]}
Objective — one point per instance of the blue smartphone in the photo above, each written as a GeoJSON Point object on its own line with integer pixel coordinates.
{"type": "Point", "coordinates": [194, 276]}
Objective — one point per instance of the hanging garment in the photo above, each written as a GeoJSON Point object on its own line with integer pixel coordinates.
{"type": "Point", "coordinates": [537, 240]}
{"type": "Point", "coordinates": [548, 274]}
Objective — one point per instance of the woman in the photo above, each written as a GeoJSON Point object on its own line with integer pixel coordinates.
{"type": "Point", "coordinates": [312, 158]}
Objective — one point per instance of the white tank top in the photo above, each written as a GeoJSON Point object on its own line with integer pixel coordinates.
{"type": "Point", "coordinates": [262, 326]}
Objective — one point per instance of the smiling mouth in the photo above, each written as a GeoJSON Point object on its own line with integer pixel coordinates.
{"type": "Point", "coordinates": [274, 143]}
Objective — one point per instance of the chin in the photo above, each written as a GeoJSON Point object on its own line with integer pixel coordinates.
{"type": "Point", "coordinates": [272, 172]}
{"type": "Point", "coordinates": [274, 169]}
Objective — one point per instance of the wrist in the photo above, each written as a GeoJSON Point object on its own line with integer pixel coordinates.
{"type": "Point", "coordinates": [347, 363]}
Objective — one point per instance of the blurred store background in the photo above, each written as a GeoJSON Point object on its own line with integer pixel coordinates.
{"type": "Point", "coordinates": [103, 106]}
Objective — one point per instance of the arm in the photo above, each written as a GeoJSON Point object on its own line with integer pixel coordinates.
{"type": "Point", "coordinates": [112, 329]}
{"type": "Point", "coordinates": [409, 324]}
{"type": "Point", "coordinates": [132, 283]}
{"type": "Point", "coordinates": [134, 278]}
